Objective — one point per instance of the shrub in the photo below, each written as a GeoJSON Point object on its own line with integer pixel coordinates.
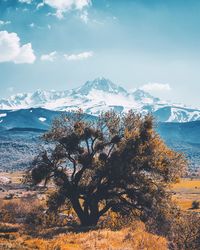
{"type": "Point", "coordinates": [185, 232]}
{"type": "Point", "coordinates": [195, 205]}
{"type": "Point", "coordinates": [7, 215]}
{"type": "Point", "coordinates": [12, 211]}
{"type": "Point", "coordinates": [39, 219]}
{"type": "Point", "coordinates": [115, 221]}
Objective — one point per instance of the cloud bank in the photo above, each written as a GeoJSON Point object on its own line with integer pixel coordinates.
{"type": "Point", "coordinates": [4, 22]}
{"type": "Point", "coordinates": [78, 57]}
{"type": "Point", "coordinates": [62, 6]}
{"type": "Point", "coordinates": [12, 51]}
{"type": "Point", "coordinates": [156, 87]}
{"type": "Point", "coordinates": [49, 57]}
{"type": "Point", "coordinates": [25, 1]}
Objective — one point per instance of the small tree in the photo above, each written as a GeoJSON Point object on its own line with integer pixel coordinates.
{"type": "Point", "coordinates": [115, 163]}
{"type": "Point", "coordinates": [195, 204]}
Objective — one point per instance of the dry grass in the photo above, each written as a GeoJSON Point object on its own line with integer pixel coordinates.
{"type": "Point", "coordinates": [14, 236]}
{"type": "Point", "coordinates": [15, 177]}
{"type": "Point", "coordinates": [12, 210]}
{"type": "Point", "coordinates": [186, 191]}
{"type": "Point", "coordinates": [187, 183]}
{"type": "Point", "coordinates": [126, 239]}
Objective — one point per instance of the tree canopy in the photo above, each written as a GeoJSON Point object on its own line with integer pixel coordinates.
{"type": "Point", "coordinates": [114, 162]}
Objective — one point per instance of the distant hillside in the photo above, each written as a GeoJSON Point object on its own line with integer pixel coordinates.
{"type": "Point", "coordinates": [33, 118]}
{"type": "Point", "coordinates": [18, 148]}
{"type": "Point", "coordinates": [27, 118]}
{"type": "Point", "coordinates": [185, 138]}
{"type": "Point", "coordinates": [19, 143]}
{"type": "Point", "coordinates": [187, 132]}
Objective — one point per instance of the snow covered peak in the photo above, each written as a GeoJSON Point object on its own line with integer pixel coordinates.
{"type": "Point", "coordinates": [101, 84]}
{"type": "Point", "coordinates": [143, 96]}
{"type": "Point", "coordinates": [28, 100]}
{"type": "Point", "coordinates": [98, 96]}
{"type": "Point", "coordinates": [42, 96]}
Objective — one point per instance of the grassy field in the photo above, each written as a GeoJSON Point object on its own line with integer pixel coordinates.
{"type": "Point", "coordinates": [126, 239]}
{"type": "Point", "coordinates": [187, 191]}
{"type": "Point", "coordinates": [129, 238]}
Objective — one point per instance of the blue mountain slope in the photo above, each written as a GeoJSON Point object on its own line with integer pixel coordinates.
{"type": "Point", "coordinates": [186, 132]}
{"type": "Point", "coordinates": [34, 118]}
{"type": "Point", "coordinates": [18, 149]}
{"type": "Point", "coordinates": [37, 118]}
{"type": "Point", "coordinates": [184, 138]}
{"type": "Point", "coordinates": [20, 133]}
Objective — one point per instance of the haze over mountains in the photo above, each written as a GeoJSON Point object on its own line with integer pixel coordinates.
{"type": "Point", "coordinates": [96, 96]}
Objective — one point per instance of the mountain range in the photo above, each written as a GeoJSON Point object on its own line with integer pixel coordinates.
{"type": "Point", "coordinates": [96, 96]}
{"type": "Point", "coordinates": [25, 117]}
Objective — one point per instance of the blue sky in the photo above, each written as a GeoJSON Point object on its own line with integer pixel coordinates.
{"type": "Point", "coordinates": [59, 44]}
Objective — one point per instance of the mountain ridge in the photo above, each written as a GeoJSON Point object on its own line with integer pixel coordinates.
{"type": "Point", "coordinates": [99, 95]}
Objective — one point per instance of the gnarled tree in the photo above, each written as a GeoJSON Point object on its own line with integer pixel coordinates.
{"type": "Point", "coordinates": [115, 162]}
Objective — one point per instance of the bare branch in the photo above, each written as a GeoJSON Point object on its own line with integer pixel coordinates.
{"type": "Point", "coordinates": [105, 209]}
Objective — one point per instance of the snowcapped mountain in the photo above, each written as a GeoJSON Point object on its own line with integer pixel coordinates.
{"type": "Point", "coordinates": [100, 84]}
{"type": "Point", "coordinates": [101, 95]}
{"type": "Point", "coordinates": [27, 100]}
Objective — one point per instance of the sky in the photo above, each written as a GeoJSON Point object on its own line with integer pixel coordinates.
{"type": "Point", "coordinates": [60, 44]}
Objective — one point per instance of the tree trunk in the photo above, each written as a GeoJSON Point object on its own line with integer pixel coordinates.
{"type": "Point", "coordinates": [89, 216]}
{"type": "Point", "coordinates": [89, 221]}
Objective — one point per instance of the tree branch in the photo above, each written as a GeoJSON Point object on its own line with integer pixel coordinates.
{"type": "Point", "coordinates": [74, 165]}
{"type": "Point", "coordinates": [111, 148]}
{"type": "Point", "coordinates": [105, 209]}
{"type": "Point", "coordinates": [88, 148]}
{"type": "Point", "coordinates": [92, 145]}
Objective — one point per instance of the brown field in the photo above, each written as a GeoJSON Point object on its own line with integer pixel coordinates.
{"type": "Point", "coordinates": [129, 238]}
{"type": "Point", "coordinates": [187, 191]}
{"type": "Point", "coordinates": [14, 176]}
{"type": "Point", "coordinates": [126, 239]}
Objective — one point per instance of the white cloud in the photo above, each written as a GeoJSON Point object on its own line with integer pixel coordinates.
{"type": "Point", "coordinates": [59, 14]}
{"type": "Point", "coordinates": [67, 4]}
{"type": "Point", "coordinates": [25, 1]}
{"type": "Point", "coordinates": [40, 5]}
{"type": "Point", "coordinates": [4, 22]}
{"type": "Point", "coordinates": [12, 51]}
{"type": "Point", "coordinates": [84, 16]}
{"type": "Point", "coordinates": [156, 87]}
{"type": "Point", "coordinates": [26, 54]}
{"type": "Point", "coordinates": [80, 4]}
{"type": "Point", "coordinates": [78, 57]}
{"type": "Point", "coordinates": [62, 6]}
{"type": "Point", "coordinates": [49, 57]}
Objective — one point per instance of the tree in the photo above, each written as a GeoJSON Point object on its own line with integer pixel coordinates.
{"type": "Point", "coordinates": [114, 162]}
{"type": "Point", "coordinates": [195, 204]}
